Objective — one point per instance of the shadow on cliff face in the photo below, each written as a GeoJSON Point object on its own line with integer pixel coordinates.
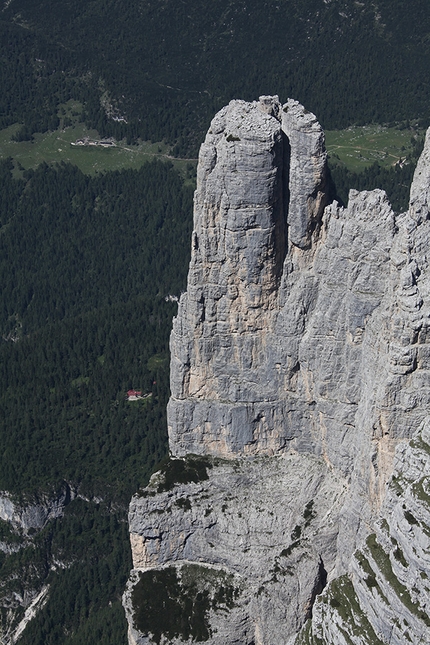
{"type": "Point", "coordinates": [176, 602]}
{"type": "Point", "coordinates": [285, 191]}
{"type": "Point", "coordinates": [320, 584]}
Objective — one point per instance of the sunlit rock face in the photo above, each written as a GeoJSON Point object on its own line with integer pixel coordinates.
{"type": "Point", "coordinates": [238, 521]}
{"type": "Point", "coordinates": [228, 378]}
{"type": "Point", "coordinates": [220, 340]}
{"type": "Point", "coordinates": [299, 364]}
{"type": "Point", "coordinates": [298, 329]}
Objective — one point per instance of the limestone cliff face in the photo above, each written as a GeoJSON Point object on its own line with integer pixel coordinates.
{"type": "Point", "coordinates": [240, 522]}
{"type": "Point", "coordinates": [301, 328]}
{"type": "Point", "coordinates": [228, 374]}
{"type": "Point", "coordinates": [306, 172]}
{"type": "Point", "coordinates": [219, 343]}
{"type": "Point", "coordinates": [386, 596]}
{"type": "Point", "coordinates": [300, 353]}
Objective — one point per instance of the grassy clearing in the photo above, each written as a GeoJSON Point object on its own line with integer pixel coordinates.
{"type": "Point", "coordinates": [360, 147]}
{"type": "Point", "coordinates": [56, 147]}
{"type": "Point", "coordinates": [156, 361]}
{"type": "Point", "coordinates": [356, 147]}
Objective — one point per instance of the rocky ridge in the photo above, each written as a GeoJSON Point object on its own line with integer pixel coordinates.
{"type": "Point", "coordinates": [22, 519]}
{"type": "Point", "coordinates": [34, 514]}
{"type": "Point", "coordinates": [299, 355]}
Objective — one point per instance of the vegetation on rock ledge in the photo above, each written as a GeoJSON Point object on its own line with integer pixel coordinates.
{"type": "Point", "coordinates": [176, 603]}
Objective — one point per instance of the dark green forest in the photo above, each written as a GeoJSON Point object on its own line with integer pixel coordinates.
{"type": "Point", "coordinates": [168, 67]}
{"type": "Point", "coordinates": [87, 262]}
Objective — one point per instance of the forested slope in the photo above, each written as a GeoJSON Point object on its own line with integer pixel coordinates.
{"type": "Point", "coordinates": [167, 67]}
{"type": "Point", "coordinates": [86, 264]}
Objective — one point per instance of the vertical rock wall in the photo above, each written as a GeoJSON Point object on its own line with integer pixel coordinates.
{"type": "Point", "coordinates": [227, 391]}
{"type": "Point", "coordinates": [306, 173]}
{"type": "Point", "coordinates": [299, 327]}
{"type": "Point", "coordinates": [385, 598]}
{"type": "Point", "coordinates": [303, 335]}
{"type": "Point", "coordinates": [219, 339]}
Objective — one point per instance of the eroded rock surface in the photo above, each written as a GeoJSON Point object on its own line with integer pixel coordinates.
{"type": "Point", "coordinates": [275, 547]}
{"type": "Point", "coordinates": [300, 353]}
{"type": "Point", "coordinates": [307, 172]}
{"type": "Point", "coordinates": [386, 596]}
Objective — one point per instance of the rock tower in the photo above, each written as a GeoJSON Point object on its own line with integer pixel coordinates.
{"type": "Point", "coordinates": [300, 361]}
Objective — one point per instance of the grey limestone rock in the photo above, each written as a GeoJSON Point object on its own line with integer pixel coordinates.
{"type": "Point", "coordinates": [307, 172]}
{"type": "Point", "coordinates": [238, 248]}
{"type": "Point", "coordinates": [324, 352]}
{"type": "Point", "coordinates": [268, 522]}
{"type": "Point", "coordinates": [34, 514]}
{"type": "Point", "coordinates": [224, 341]}
{"type": "Point", "coordinates": [419, 204]}
{"type": "Point", "coordinates": [386, 596]}
{"type": "Point", "coordinates": [301, 355]}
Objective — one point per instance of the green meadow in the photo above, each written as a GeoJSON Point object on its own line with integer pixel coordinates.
{"type": "Point", "coordinates": [360, 146]}
{"type": "Point", "coordinates": [357, 147]}
{"type": "Point", "coordinates": [56, 147]}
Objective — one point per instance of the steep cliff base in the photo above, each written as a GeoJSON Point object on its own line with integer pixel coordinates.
{"type": "Point", "coordinates": [244, 552]}
{"type": "Point", "coordinates": [237, 552]}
